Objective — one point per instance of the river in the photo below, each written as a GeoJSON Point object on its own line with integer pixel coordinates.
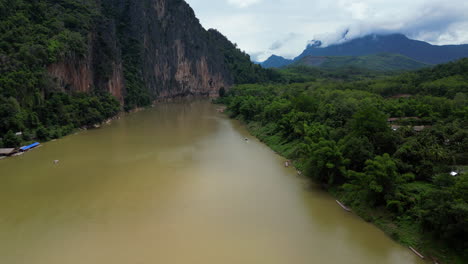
{"type": "Point", "coordinates": [174, 184]}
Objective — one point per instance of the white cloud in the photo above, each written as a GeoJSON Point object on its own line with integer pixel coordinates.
{"type": "Point", "coordinates": [358, 10]}
{"type": "Point", "coordinates": [243, 3]}
{"type": "Point", "coordinates": [284, 27]}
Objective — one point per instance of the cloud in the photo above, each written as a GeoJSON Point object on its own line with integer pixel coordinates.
{"type": "Point", "coordinates": [285, 27]}
{"type": "Point", "coordinates": [358, 10]}
{"type": "Point", "coordinates": [280, 43]}
{"type": "Point", "coordinates": [436, 22]}
{"type": "Point", "coordinates": [243, 3]}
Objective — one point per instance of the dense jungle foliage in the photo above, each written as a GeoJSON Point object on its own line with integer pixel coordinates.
{"type": "Point", "coordinates": [34, 34]}
{"type": "Point", "coordinates": [385, 146]}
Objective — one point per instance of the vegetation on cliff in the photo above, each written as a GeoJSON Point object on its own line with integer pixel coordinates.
{"type": "Point", "coordinates": [385, 146]}
{"type": "Point", "coordinates": [34, 34]}
{"type": "Point", "coordinates": [240, 65]}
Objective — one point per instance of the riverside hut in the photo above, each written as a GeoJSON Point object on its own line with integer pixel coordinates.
{"type": "Point", "coordinates": [7, 151]}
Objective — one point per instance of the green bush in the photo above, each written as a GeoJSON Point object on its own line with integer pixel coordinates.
{"type": "Point", "coordinates": [10, 140]}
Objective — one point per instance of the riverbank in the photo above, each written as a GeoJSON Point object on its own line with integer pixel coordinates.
{"type": "Point", "coordinates": [72, 131]}
{"type": "Point", "coordinates": [404, 231]}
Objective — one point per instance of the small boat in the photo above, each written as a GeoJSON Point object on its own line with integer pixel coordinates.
{"type": "Point", "coordinates": [416, 252]}
{"type": "Point", "coordinates": [343, 206]}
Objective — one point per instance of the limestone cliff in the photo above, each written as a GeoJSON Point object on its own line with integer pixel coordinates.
{"type": "Point", "coordinates": [142, 50]}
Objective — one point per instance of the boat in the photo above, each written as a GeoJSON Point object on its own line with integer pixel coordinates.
{"type": "Point", "coordinates": [343, 206]}
{"type": "Point", "coordinates": [416, 252]}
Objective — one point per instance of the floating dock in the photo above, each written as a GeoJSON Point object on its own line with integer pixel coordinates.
{"type": "Point", "coordinates": [343, 206]}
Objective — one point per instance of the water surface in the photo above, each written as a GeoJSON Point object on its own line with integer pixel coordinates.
{"type": "Point", "coordinates": [174, 184]}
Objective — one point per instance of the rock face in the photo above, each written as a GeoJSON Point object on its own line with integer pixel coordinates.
{"type": "Point", "coordinates": [140, 50]}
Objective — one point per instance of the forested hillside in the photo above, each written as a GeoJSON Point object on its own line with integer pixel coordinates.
{"type": "Point", "coordinates": [239, 63]}
{"type": "Point", "coordinates": [383, 62]}
{"type": "Point", "coordinates": [33, 35]}
{"type": "Point", "coordinates": [395, 149]}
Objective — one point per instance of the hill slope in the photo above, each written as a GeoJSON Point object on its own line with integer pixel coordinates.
{"type": "Point", "coordinates": [379, 62]}
{"type": "Point", "coordinates": [276, 62]}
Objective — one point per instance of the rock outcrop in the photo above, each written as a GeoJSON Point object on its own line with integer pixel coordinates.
{"type": "Point", "coordinates": [148, 49]}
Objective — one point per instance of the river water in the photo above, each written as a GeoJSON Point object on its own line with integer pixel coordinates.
{"type": "Point", "coordinates": [174, 184]}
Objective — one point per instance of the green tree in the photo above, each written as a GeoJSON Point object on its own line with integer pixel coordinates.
{"type": "Point", "coordinates": [372, 123]}
{"type": "Point", "coordinates": [10, 115]}
{"type": "Point", "coordinates": [325, 163]}
{"type": "Point", "coordinates": [10, 140]}
{"type": "Point", "coordinates": [378, 183]}
{"type": "Point", "coordinates": [381, 174]}
{"type": "Point", "coordinates": [444, 212]}
{"type": "Point", "coordinates": [42, 134]}
{"type": "Point", "coordinates": [357, 149]}
{"type": "Point", "coordinates": [369, 121]}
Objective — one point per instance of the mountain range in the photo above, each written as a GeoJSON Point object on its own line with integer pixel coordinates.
{"type": "Point", "coordinates": [419, 51]}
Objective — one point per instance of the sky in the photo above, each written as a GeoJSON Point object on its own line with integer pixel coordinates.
{"type": "Point", "coordinates": [285, 27]}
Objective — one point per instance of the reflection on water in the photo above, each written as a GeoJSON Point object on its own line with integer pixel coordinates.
{"type": "Point", "coordinates": [173, 184]}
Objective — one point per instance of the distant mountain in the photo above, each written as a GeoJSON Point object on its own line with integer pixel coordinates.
{"type": "Point", "coordinates": [393, 43]}
{"type": "Point", "coordinates": [377, 62]}
{"type": "Point", "coordinates": [276, 62]}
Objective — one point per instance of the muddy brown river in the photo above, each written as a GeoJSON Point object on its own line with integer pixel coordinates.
{"type": "Point", "coordinates": [175, 184]}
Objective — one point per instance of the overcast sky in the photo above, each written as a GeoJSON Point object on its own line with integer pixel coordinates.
{"type": "Point", "coordinates": [284, 27]}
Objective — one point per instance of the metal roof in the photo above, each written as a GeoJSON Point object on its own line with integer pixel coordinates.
{"type": "Point", "coordinates": [33, 145]}
{"type": "Point", "coordinates": [6, 151]}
